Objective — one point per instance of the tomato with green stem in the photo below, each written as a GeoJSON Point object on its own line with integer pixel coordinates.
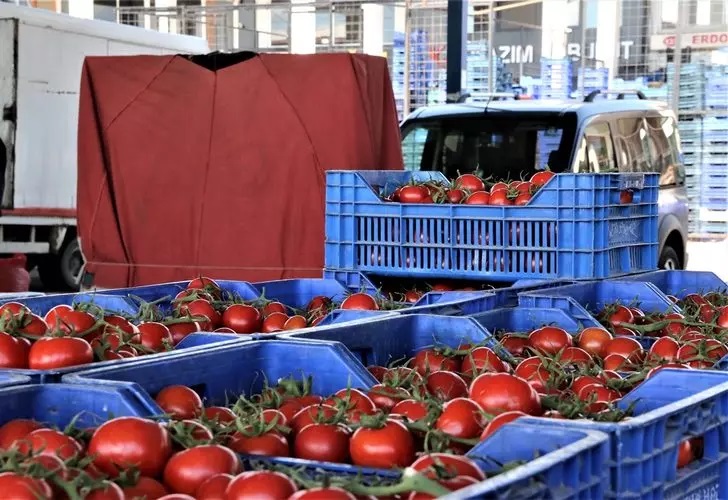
{"type": "Point", "coordinates": [20, 487]}
{"type": "Point", "coordinates": [153, 336]}
{"type": "Point", "coordinates": [16, 430]}
{"type": "Point", "coordinates": [323, 442]}
{"type": "Point", "coordinates": [213, 488]}
{"type": "Point", "coordinates": [50, 353]}
{"type": "Point", "coordinates": [460, 418]}
{"type": "Point", "coordinates": [501, 392]}
{"type": "Point", "coordinates": [432, 360]}
{"type": "Point", "coordinates": [445, 385]}
{"type": "Point", "coordinates": [382, 446]}
{"type": "Point", "coordinates": [260, 484]}
{"type": "Point", "coordinates": [180, 402]}
{"type": "Point", "coordinates": [145, 487]}
{"type": "Point", "coordinates": [13, 352]}
{"type": "Point", "coordinates": [242, 318]}
{"type": "Point", "coordinates": [550, 340]}
{"type": "Point", "coordinates": [50, 442]}
{"type": "Point", "coordinates": [130, 442]}
{"type": "Point", "coordinates": [447, 465]}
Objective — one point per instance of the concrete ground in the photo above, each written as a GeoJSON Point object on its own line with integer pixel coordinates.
{"type": "Point", "coordinates": [709, 256]}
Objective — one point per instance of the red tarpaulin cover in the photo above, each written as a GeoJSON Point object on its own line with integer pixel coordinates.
{"type": "Point", "coordinates": [184, 171]}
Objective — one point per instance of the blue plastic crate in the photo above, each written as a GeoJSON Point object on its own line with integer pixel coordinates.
{"type": "Point", "coordinates": [570, 464]}
{"type": "Point", "coordinates": [681, 283]}
{"type": "Point", "coordinates": [59, 404]}
{"type": "Point", "coordinates": [526, 319]}
{"type": "Point", "coordinates": [225, 371]}
{"type": "Point", "coordinates": [4, 297]}
{"type": "Point", "coordinates": [669, 407]}
{"type": "Point", "coordinates": [573, 228]}
{"type": "Point", "coordinates": [8, 379]}
{"type": "Point", "coordinates": [397, 338]}
{"type": "Point", "coordinates": [582, 299]}
{"type": "Point", "coordinates": [41, 304]}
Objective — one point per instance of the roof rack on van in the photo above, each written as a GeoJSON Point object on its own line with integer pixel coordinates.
{"type": "Point", "coordinates": [492, 96]}
{"type": "Point", "coordinates": [620, 94]}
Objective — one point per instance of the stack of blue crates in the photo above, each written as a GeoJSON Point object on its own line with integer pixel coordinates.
{"type": "Point", "coordinates": [703, 109]}
{"type": "Point", "coordinates": [421, 67]}
{"type": "Point", "coordinates": [556, 79]}
{"type": "Point", "coordinates": [590, 79]}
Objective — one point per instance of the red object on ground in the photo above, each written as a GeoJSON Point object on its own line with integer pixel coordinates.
{"type": "Point", "coordinates": [185, 171]}
{"type": "Point", "coordinates": [13, 275]}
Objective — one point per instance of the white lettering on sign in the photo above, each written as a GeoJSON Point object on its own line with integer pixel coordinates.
{"type": "Point", "coordinates": [516, 54]}
{"type": "Point", "coordinates": [693, 40]}
{"type": "Point", "coordinates": [574, 50]}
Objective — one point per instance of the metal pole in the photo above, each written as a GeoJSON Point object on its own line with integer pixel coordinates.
{"type": "Point", "coordinates": [684, 12]}
{"type": "Point", "coordinates": [457, 19]}
{"type": "Point", "coordinates": [583, 4]}
{"type": "Point", "coordinates": [491, 51]}
{"type": "Point", "coordinates": [618, 49]}
{"type": "Point", "coordinates": [407, 93]}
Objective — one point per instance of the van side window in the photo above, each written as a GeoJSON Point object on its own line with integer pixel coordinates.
{"type": "Point", "coordinates": [413, 148]}
{"type": "Point", "coordinates": [665, 139]}
{"type": "Point", "coordinates": [636, 149]}
{"type": "Point", "coordinates": [596, 151]}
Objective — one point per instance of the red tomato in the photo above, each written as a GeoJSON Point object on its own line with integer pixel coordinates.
{"type": "Point", "coordinates": [514, 343]}
{"type": "Point", "coordinates": [18, 487]}
{"type": "Point", "coordinates": [54, 316]}
{"type": "Point", "coordinates": [180, 330]}
{"type": "Point", "coordinates": [621, 314]}
{"type": "Point", "coordinates": [455, 196]}
{"type": "Point", "coordinates": [446, 385]}
{"type": "Point", "coordinates": [549, 339]}
{"type": "Point", "coordinates": [684, 454]}
{"type": "Point", "coordinates": [594, 341]}
{"type": "Point", "coordinates": [501, 392]}
{"type": "Point", "coordinates": [273, 307]}
{"type": "Point", "coordinates": [353, 399]}
{"type": "Point", "coordinates": [242, 318]}
{"type": "Point", "coordinates": [479, 360]}
{"type": "Point", "coordinates": [50, 442]}
{"type": "Point", "coordinates": [15, 430]}
{"type": "Point", "coordinates": [541, 178]}
{"type": "Point", "coordinates": [522, 199]}
{"type": "Point", "coordinates": [203, 308]}
{"type": "Point", "coordinates": [34, 326]}
{"type": "Point", "coordinates": [616, 362]}
{"type": "Point", "coordinates": [120, 325]}
{"type": "Point", "coordinates": [385, 397]}
{"type": "Point", "coordinates": [220, 414]}
{"type": "Point", "coordinates": [146, 487]}
{"type": "Point", "coordinates": [433, 360]}
{"type": "Point", "coordinates": [13, 353]}
{"type": "Point", "coordinates": [386, 447]}
{"type": "Point", "coordinates": [575, 356]}
{"type": "Point", "coordinates": [295, 323]}
{"type": "Point", "coordinates": [431, 464]}
{"type": "Point", "coordinates": [626, 196]}
{"type": "Point", "coordinates": [377, 372]}
{"type": "Point", "coordinates": [180, 402]}
{"type": "Point", "coordinates": [204, 283]}
{"type": "Point", "coordinates": [319, 303]}
{"type": "Point", "coordinates": [452, 484]}
{"type": "Point", "coordinates": [598, 395]}
{"type": "Point", "coordinates": [188, 469]}
{"type": "Point", "coordinates": [469, 182]}
{"type": "Point", "coordinates": [664, 349]}
{"type": "Point", "coordinates": [413, 194]}
{"type": "Point", "coordinates": [584, 380]}
{"type": "Point", "coordinates": [412, 409]}
{"type": "Point", "coordinates": [177, 496]}
{"type": "Point", "coordinates": [500, 198]}
{"type": "Point", "coordinates": [260, 484]}
{"type": "Point", "coordinates": [271, 444]}
{"type": "Point", "coordinates": [626, 346]}
{"type": "Point", "coordinates": [213, 488]}
{"type": "Point", "coordinates": [460, 418]}
{"type": "Point", "coordinates": [499, 421]}
{"type": "Point", "coordinates": [274, 322]}
{"type": "Point", "coordinates": [154, 336]}
{"type": "Point", "coordinates": [48, 353]}
{"type": "Point", "coordinates": [131, 441]}
{"type": "Point", "coordinates": [498, 186]}
{"type": "Point", "coordinates": [360, 302]}
{"type": "Point", "coordinates": [323, 442]}
{"type": "Point", "coordinates": [310, 415]}
{"type": "Point", "coordinates": [323, 493]}
{"type": "Point", "coordinates": [478, 198]}
{"type": "Point", "coordinates": [535, 373]}
{"type": "Point", "coordinates": [106, 490]}
{"type": "Point", "coordinates": [10, 309]}
{"type": "Point", "coordinates": [76, 323]}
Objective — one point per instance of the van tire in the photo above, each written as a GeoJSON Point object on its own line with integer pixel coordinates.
{"type": "Point", "coordinates": [669, 259]}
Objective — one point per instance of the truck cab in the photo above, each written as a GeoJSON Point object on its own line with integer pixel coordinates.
{"type": "Point", "coordinates": [512, 139]}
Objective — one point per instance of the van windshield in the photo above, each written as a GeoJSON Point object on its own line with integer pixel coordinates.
{"type": "Point", "coordinates": [503, 145]}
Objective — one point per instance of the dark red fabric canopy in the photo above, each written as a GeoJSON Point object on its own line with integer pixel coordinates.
{"type": "Point", "coordinates": [184, 171]}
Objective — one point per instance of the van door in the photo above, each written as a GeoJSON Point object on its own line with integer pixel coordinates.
{"type": "Point", "coordinates": [8, 106]}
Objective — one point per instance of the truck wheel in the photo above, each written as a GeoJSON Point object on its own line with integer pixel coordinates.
{"type": "Point", "coordinates": [669, 259]}
{"type": "Point", "coordinates": [62, 272]}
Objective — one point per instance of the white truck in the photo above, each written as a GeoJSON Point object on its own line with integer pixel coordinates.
{"type": "Point", "coordinates": [41, 57]}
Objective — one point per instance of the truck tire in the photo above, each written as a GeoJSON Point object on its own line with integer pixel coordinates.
{"type": "Point", "coordinates": [61, 272]}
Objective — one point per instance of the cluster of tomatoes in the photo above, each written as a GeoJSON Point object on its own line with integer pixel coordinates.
{"type": "Point", "coordinates": [217, 310]}
{"type": "Point", "coordinates": [469, 189]}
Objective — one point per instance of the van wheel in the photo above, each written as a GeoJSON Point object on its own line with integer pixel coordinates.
{"type": "Point", "coordinates": [669, 259]}
{"type": "Point", "coordinates": [62, 272]}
